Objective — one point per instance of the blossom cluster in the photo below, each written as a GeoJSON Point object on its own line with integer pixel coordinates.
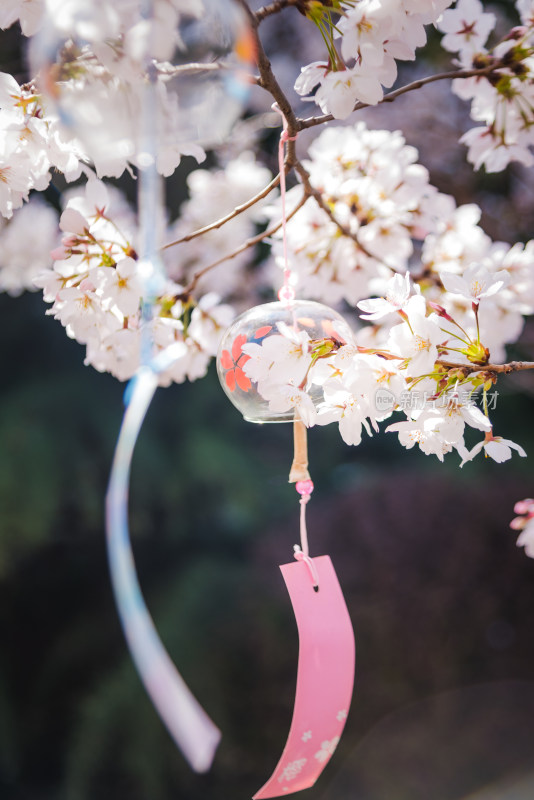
{"type": "Point", "coordinates": [501, 99]}
{"type": "Point", "coordinates": [373, 35]}
{"type": "Point", "coordinates": [31, 145]}
{"type": "Point", "coordinates": [96, 291]}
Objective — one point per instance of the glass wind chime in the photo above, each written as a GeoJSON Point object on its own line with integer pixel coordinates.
{"type": "Point", "coordinates": [209, 29]}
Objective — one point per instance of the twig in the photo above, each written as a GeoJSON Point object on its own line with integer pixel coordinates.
{"type": "Point", "coordinates": [274, 8]}
{"type": "Point", "coordinates": [468, 369]}
{"type": "Point", "coordinates": [310, 122]}
{"type": "Point", "coordinates": [245, 246]}
{"type": "Point", "coordinates": [223, 220]}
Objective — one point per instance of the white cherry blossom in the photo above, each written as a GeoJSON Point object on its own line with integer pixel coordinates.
{"type": "Point", "coordinates": [423, 431]}
{"type": "Point", "coordinates": [466, 27]}
{"type": "Point", "coordinates": [476, 282]}
{"type": "Point", "coordinates": [278, 359]}
{"type": "Point", "coordinates": [349, 410]}
{"type": "Point", "coordinates": [455, 415]}
{"type": "Point", "coordinates": [121, 286]}
{"type": "Point", "coordinates": [284, 397]}
{"type": "Point", "coordinates": [417, 339]}
{"type": "Point", "coordinates": [398, 290]}
{"type": "Point", "coordinates": [495, 447]}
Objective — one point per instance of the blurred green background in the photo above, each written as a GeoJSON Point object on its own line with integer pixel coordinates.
{"type": "Point", "coordinates": [441, 599]}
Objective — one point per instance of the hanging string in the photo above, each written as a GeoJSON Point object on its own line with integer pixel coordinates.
{"type": "Point", "coordinates": [300, 476]}
{"type": "Point", "coordinates": [287, 292]}
{"type": "Point", "coordinates": [302, 552]}
{"type": "Point", "coordinates": [299, 473]}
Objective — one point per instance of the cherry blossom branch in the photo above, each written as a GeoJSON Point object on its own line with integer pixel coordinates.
{"type": "Point", "coordinates": [223, 220]}
{"type": "Point", "coordinates": [482, 72]}
{"type": "Point", "coordinates": [468, 369]}
{"type": "Point", "coordinates": [245, 246]}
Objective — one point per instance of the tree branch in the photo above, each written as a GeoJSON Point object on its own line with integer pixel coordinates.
{"type": "Point", "coordinates": [245, 246]}
{"type": "Point", "coordinates": [468, 369]}
{"type": "Point", "coordinates": [223, 220]}
{"type": "Point", "coordinates": [310, 122]}
{"type": "Point", "coordinates": [268, 82]}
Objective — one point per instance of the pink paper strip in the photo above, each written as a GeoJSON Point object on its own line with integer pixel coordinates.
{"type": "Point", "coordinates": [325, 677]}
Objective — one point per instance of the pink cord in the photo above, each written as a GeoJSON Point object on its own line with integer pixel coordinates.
{"type": "Point", "coordinates": [302, 552]}
{"type": "Point", "coordinates": [286, 293]}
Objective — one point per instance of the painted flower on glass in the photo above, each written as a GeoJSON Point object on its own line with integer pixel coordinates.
{"type": "Point", "coordinates": [233, 361]}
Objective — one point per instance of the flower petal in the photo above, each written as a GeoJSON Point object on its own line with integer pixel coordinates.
{"type": "Point", "coordinates": [237, 345]}
{"type": "Point", "coordinates": [243, 382]}
{"type": "Point", "coordinates": [261, 332]}
{"type": "Point", "coordinates": [230, 380]}
{"type": "Point", "coordinates": [226, 360]}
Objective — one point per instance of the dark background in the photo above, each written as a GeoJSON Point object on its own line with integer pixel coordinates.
{"type": "Point", "coordinates": [441, 599]}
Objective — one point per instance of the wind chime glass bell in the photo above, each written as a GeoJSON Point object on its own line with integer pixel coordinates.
{"type": "Point", "coordinates": [322, 324]}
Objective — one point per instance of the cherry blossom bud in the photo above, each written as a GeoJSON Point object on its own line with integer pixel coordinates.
{"type": "Point", "coordinates": [440, 311]}
{"type": "Point", "coordinates": [518, 523]}
{"type": "Point", "coordinates": [516, 33]}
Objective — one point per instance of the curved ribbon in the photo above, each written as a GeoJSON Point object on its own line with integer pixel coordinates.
{"type": "Point", "coordinates": [325, 677]}
{"type": "Point", "coordinates": [189, 725]}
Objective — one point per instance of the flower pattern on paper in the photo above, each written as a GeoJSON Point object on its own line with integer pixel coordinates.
{"type": "Point", "coordinates": [341, 715]}
{"type": "Point", "coordinates": [327, 748]}
{"type": "Point", "coordinates": [306, 736]}
{"type": "Point", "coordinates": [292, 769]}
